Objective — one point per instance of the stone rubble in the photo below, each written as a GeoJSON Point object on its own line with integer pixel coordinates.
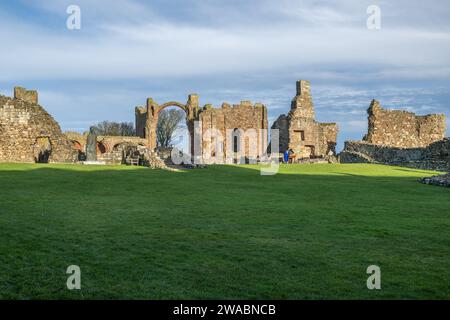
{"type": "Point", "coordinates": [442, 180]}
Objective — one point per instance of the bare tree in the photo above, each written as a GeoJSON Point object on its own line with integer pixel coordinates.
{"type": "Point", "coordinates": [110, 128]}
{"type": "Point", "coordinates": [169, 121]}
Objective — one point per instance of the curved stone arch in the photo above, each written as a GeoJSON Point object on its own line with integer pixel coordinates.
{"type": "Point", "coordinates": [191, 108]}
{"type": "Point", "coordinates": [77, 145]}
{"type": "Point", "coordinates": [42, 149]}
{"type": "Point", "coordinates": [172, 104]}
{"type": "Point", "coordinates": [158, 108]}
{"type": "Point", "coordinates": [123, 143]}
{"type": "Point", "coordinates": [102, 147]}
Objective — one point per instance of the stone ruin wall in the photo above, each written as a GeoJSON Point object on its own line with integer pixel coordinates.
{"type": "Point", "coordinates": [394, 137]}
{"type": "Point", "coordinates": [312, 139]}
{"type": "Point", "coordinates": [140, 122]}
{"type": "Point", "coordinates": [397, 137]}
{"type": "Point", "coordinates": [300, 131]}
{"type": "Point", "coordinates": [282, 125]}
{"type": "Point", "coordinates": [25, 127]}
{"type": "Point", "coordinates": [327, 138]}
{"type": "Point", "coordinates": [110, 149]}
{"type": "Point", "coordinates": [26, 95]}
{"type": "Point", "coordinates": [435, 156]}
{"type": "Point", "coordinates": [248, 119]}
{"type": "Point", "coordinates": [403, 129]}
{"type": "Point", "coordinates": [244, 116]}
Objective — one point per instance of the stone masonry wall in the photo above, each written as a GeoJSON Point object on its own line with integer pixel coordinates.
{"type": "Point", "coordinates": [436, 156]}
{"type": "Point", "coordinates": [300, 131]}
{"type": "Point", "coordinates": [26, 129]}
{"type": "Point", "coordinates": [141, 119]}
{"type": "Point", "coordinates": [397, 128]}
{"type": "Point", "coordinates": [26, 95]}
{"type": "Point", "coordinates": [244, 121]}
{"type": "Point", "coordinates": [282, 124]}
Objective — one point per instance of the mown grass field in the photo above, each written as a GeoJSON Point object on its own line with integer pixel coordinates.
{"type": "Point", "coordinates": [308, 232]}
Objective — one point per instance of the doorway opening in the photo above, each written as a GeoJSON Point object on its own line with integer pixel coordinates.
{"type": "Point", "coordinates": [43, 150]}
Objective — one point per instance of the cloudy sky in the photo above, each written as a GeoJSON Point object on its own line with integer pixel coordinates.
{"type": "Point", "coordinates": [128, 50]}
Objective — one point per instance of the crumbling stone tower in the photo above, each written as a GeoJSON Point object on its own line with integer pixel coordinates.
{"type": "Point", "coordinates": [300, 131]}
{"type": "Point", "coordinates": [28, 133]}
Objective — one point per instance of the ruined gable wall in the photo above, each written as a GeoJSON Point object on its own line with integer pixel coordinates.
{"type": "Point", "coordinates": [243, 116]}
{"type": "Point", "coordinates": [302, 104]}
{"type": "Point", "coordinates": [22, 123]}
{"type": "Point", "coordinates": [307, 137]}
{"type": "Point", "coordinates": [397, 128]}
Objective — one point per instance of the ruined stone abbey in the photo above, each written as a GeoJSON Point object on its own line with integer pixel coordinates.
{"type": "Point", "coordinates": [238, 132]}
{"type": "Point", "coordinates": [218, 128]}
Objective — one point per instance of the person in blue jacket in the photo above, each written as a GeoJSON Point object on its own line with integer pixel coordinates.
{"type": "Point", "coordinates": [286, 156]}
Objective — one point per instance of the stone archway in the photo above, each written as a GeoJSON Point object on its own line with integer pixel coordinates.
{"type": "Point", "coordinates": [77, 145]}
{"type": "Point", "coordinates": [42, 149]}
{"type": "Point", "coordinates": [80, 149]}
{"type": "Point", "coordinates": [191, 109]}
{"type": "Point", "coordinates": [101, 148]}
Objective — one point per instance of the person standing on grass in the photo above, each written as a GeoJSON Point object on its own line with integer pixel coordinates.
{"type": "Point", "coordinates": [286, 156]}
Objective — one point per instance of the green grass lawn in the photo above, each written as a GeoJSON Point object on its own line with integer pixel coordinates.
{"type": "Point", "coordinates": [308, 232]}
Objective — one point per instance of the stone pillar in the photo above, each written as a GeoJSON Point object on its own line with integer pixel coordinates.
{"type": "Point", "coordinates": [193, 101]}
{"type": "Point", "coordinates": [192, 106]}
{"type": "Point", "coordinates": [151, 123]}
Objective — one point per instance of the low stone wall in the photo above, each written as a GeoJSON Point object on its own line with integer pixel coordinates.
{"type": "Point", "coordinates": [114, 157]}
{"type": "Point", "coordinates": [434, 157]}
